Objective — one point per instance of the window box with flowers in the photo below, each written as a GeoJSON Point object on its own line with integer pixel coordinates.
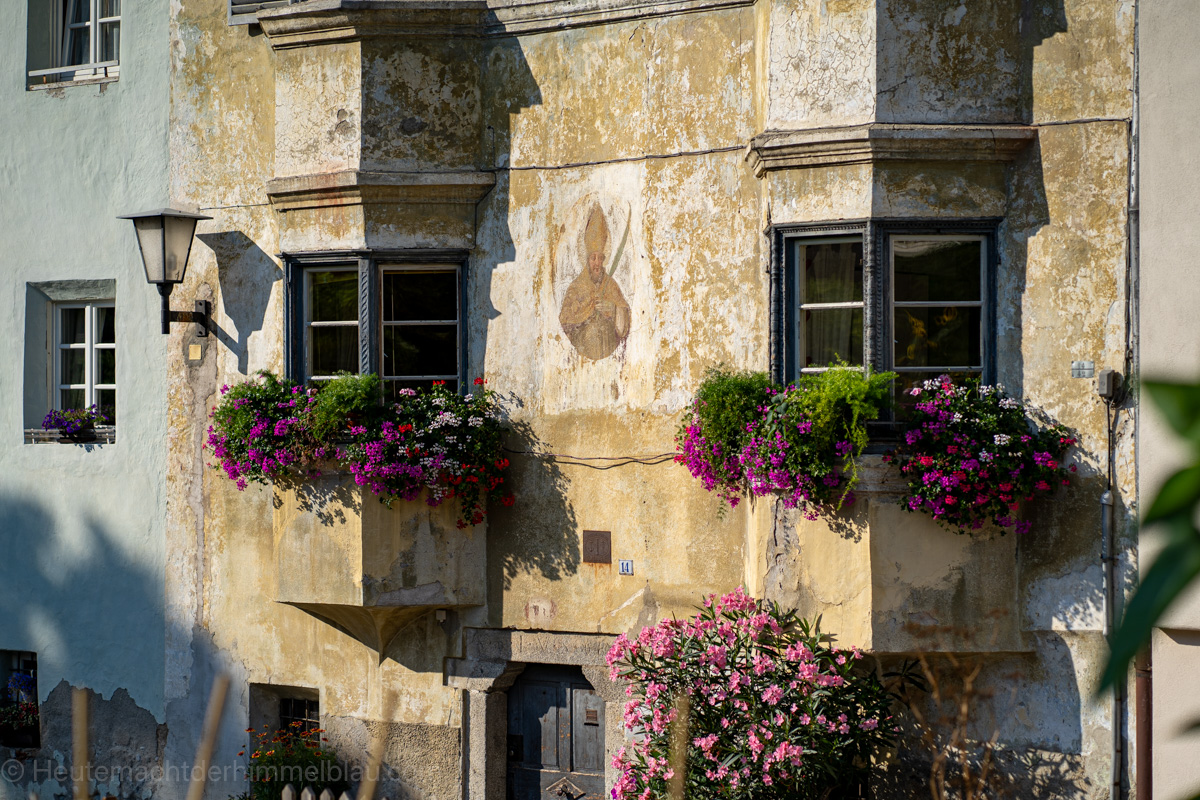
{"type": "Point", "coordinates": [889, 580]}
{"type": "Point", "coordinates": [398, 492]}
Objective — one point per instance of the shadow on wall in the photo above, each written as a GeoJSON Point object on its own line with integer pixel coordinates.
{"type": "Point", "coordinates": [247, 277]}
{"type": "Point", "coordinates": [541, 531]}
{"type": "Point", "coordinates": [93, 612]}
{"type": "Point", "coordinates": [968, 712]}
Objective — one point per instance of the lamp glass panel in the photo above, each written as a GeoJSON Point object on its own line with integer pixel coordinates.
{"type": "Point", "coordinates": [150, 239]}
{"type": "Point", "coordinates": [177, 232]}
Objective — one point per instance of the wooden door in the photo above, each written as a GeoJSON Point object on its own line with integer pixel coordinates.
{"type": "Point", "coordinates": [555, 736]}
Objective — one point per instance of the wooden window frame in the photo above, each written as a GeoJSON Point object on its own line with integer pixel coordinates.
{"type": "Point", "coordinates": [370, 265]}
{"type": "Point", "coordinates": [878, 280]}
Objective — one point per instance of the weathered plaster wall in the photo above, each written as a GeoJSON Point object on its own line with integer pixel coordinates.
{"type": "Point", "coordinates": [1168, 167]}
{"type": "Point", "coordinates": [636, 120]}
{"type": "Point", "coordinates": [81, 528]}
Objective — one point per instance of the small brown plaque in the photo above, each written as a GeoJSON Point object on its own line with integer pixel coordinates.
{"type": "Point", "coordinates": [597, 547]}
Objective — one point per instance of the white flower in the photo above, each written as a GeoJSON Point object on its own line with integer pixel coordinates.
{"type": "Point", "coordinates": [915, 391]}
{"type": "Point", "coordinates": [1008, 402]}
{"type": "Point", "coordinates": [1001, 439]}
{"type": "Point", "coordinates": [475, 422]}
{"type": "Point", "coordinates": [957, 417]}
{"type": "Point", "coordinates": [984, 455]}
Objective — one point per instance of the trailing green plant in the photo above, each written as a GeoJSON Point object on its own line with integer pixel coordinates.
{"type": "Point", "coordinates": [745, 701]}
{"type": "Point", "coordinates": [346, 400]}
{"type": "Point", "coordinates": [430, 440]}
{"type": "Point", "coordinates": [293, 756]}
{"type": "Point", "coordinates": [744, 436]}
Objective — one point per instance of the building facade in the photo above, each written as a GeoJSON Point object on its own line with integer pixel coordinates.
{"type": "Point", "coordinates": [700, 153]}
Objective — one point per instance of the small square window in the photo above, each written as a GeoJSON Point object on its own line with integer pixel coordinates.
{"type": "Point", "coordinates": [291, 708]}
{"type": "Point", "coordinates": [19, 714]}
{"type": "Point", "coordinates": [73, 40]}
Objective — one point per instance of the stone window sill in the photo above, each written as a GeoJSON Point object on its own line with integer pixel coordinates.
{"type": "Point", "coordinates": [37, 87]}
{"type": "Point", "coordinates": [105, 434]}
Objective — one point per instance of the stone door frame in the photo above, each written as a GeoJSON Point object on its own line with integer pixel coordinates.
{"type": "Point", "coordinates": [492, 660]}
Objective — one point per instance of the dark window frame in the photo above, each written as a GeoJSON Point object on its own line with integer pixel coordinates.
{"type": "Point", "coordinates": [370, 265]}
{"type": "Point", "coordinates": [876, 236]}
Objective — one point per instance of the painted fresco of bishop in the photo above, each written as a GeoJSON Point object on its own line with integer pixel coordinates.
{"type": "Point", "coordinates": [595, 315]}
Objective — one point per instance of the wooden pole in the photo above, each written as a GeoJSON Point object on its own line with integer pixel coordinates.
{"type": "Point", "coordinates": [212, 724]}
{"type": "Point", "coordinates": [80, 766]}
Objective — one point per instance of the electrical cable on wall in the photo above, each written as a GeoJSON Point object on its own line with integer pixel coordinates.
{"type": "Point", "coordinates": [608, 461]}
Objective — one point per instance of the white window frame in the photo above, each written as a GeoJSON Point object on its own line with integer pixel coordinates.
{"type": "Point", "coordinates": [801, 306]}
{"type": "Point", "coordinates": [981, 303]}
{"type": "Point", "coordinates": [91, 348]}
{"type": "Point", "coordinates": [456, 322]}
{"type": "Point", "coordinates": [60, 30]}
{"type": "Point", "coordinates": [309, 323]}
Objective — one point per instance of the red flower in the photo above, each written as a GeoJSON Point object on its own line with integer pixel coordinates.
{"type": "Point", "coordinates": [479, 381]}
{"type": "Point", "coordinates": [439, 383]}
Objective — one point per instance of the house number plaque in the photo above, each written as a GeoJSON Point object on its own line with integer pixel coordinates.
{"type": "Point", "coordinates": [597, 547]}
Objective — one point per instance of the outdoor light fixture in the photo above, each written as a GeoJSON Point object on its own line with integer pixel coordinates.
{"type": "Point", "coordinates": [165, 238]}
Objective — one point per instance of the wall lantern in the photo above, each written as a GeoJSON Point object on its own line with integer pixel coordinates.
{"type": "Point", "coordinates": [165, 238]}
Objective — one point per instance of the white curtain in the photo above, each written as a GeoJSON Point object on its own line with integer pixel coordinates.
{"type": "Point", "coordinates": [832, 330]}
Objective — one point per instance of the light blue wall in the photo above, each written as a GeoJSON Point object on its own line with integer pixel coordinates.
{"type": "Point", "coordinates": [82, 531]}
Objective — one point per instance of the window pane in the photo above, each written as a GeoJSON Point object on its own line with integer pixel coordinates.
{"type": "Point", "coordinates": [333, 350]}
{"type": "Point", "coordinates": [334, 296]}
{"type": "Point", "coordinates": [420, 350]}
{"type": "Point", "coordinates": [72, 327]}
{"type": "Point", "coordinates": [833, 272]}
{"type": "Point", "coordinates": [936, 271]}
{"type": "Point", "coordinates": [106, 325]}
{"type": "Point", "coordinates": [71, 398]}
{"type": "Point", "coordinates": [72, 366]}
{"type": "Point", "coordinates": [107, 366]}
{"type": "Point", "coordinates": [420, 295]}
{"type": "Point", "coordinates": [938, 336]}
{"type": "Point", "coordinates": [832, 335]}
{"type": "Point", "coordinates": [110, 40]}
{"type": "Point", "coordinates": [107, 400]}
{"type": "Point", "coordinates": [77, 47]}
{"type": "Point", "coordinates": [78, 11]}
{"type": "Point", "coordinates": [391, 389]}
{"type": "Point", "coordinates": [110, 8]}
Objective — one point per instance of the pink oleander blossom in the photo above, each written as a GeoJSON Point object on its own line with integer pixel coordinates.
{"type": "Point", "coordinates": [769, 704]}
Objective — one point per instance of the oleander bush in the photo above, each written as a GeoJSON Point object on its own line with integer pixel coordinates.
{"type": "Point", "coordinates": [762, 704]}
